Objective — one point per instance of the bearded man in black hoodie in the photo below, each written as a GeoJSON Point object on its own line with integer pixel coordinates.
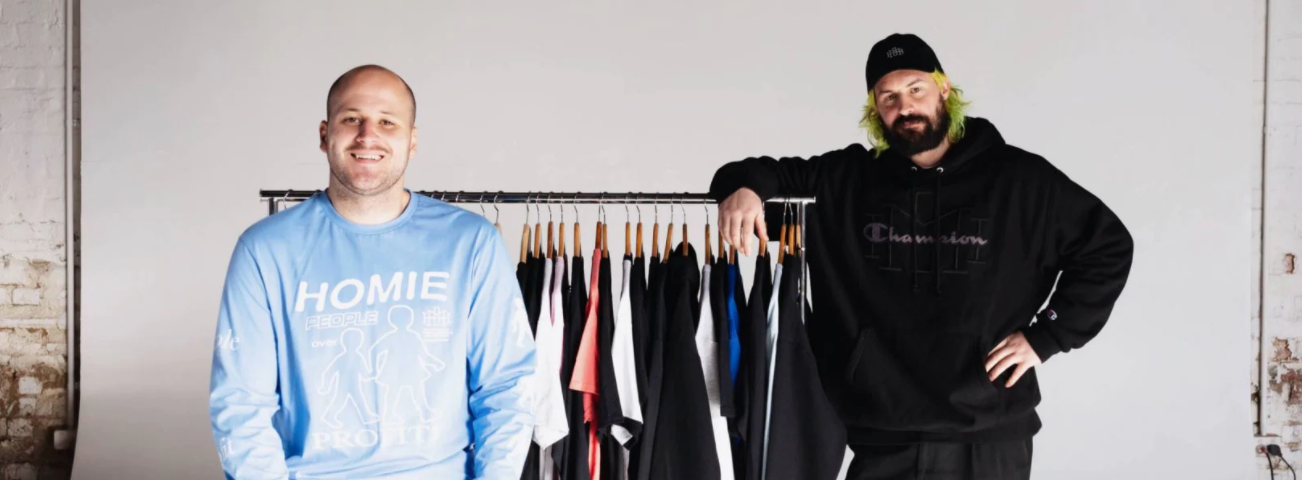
{"type": "Point", "coordinates": [930, 258]}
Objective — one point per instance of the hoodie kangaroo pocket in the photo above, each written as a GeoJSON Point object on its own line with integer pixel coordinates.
{"type": "Point", "coordinates": [920, 382]}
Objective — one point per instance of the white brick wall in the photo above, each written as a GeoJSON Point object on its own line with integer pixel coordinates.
{"type": "Point", "coordinates": [1280, 291]}
{"type": "Point", "coordinates": [33, 263]}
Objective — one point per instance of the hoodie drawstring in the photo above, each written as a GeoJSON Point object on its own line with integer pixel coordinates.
{"type": "Point", "coordinates": [937, 238]}
{"type": "Point", "coordinates": [937, 235]}
{"type": "Point", "coordinates": [913, 237]}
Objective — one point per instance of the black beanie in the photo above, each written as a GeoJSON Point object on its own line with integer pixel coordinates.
{"type": "Point", "coordinates": [899, 52]}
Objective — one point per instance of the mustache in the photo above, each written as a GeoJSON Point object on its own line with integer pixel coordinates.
{"type": "Point", "coordinates": [905, 119]}
{"type": "Point", "coordinates": [383, 150]}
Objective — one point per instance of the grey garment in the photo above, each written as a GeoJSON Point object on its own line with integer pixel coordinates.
{"type": "Point", "coordinates": [771, 344]}
{"type": "Point", "coordinates": [942, 461]}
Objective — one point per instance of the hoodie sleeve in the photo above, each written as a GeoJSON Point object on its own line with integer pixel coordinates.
{"type": "Point", "coordinates": [770, 177]}
{"type": "Point", "coordinates": [243, 391]}
{"type": "Point", "coordinates": [500, 365]}
{"type": "Point", "coordinates": [1093, 251]}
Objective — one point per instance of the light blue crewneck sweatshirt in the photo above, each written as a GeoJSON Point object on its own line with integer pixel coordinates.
{"type": "Point", "coordinates": [394, 351]}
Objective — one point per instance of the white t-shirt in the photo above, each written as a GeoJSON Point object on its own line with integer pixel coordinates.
{"type": "Point", "coordinates": [551, 424]}
{"type": "Point", "coordinates": [707, 346]}
{"type": "Point", "coordinates": [623, 354]}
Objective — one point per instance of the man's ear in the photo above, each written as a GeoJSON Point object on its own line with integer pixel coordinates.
{"type": "Point", "coordinates": [412, 151]}
{"type": "Point", "coordinates": [322, 134]}
{"type": "Point", "coordinates": [944, 90]}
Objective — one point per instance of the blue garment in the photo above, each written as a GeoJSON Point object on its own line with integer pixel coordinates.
{"type": "Point", "coordinates": [383, 351]}
{"type": "Point", "coordinates": [734, 342]}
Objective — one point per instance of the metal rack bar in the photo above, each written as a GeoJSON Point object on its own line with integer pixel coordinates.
{"type": "Point", "coordinates": [543, 197]}
{"type": "Point", "coordinates": [276, 198]}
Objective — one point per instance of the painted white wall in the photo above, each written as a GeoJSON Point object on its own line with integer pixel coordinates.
{"type": "Point", "coordinates": [191, 107]}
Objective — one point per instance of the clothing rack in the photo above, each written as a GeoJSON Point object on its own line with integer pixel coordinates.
{"type": "Point", "coordinates": [277, 198]}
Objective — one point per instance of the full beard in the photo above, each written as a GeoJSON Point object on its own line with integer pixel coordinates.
{"type": "Point", "coordinates": [910, 142]}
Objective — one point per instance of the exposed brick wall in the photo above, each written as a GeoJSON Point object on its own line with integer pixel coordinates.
{"type": "Point", "coordinates": [1280, 287]}
{"type": "Point", "coordinates": [33, 263]}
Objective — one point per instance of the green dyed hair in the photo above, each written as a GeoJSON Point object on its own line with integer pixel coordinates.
{"type": "Point", "coordinates": [955, 107]}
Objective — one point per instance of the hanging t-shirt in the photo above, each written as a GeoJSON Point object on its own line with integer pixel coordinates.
{"type": "Point", "coordinates": [770, 346]}
{"type": "Point", "coordinates": [551, 424]}
{"type": "Point", "coordinates": [555, 351]}
{"type": "Point", "coordinates": [587, 369]}
{"type": "Point", "coordinates": [533, 290]}
{"type": "Point", "coordinates": [719, 309]}
{"type": "Point", "coordinates": [529, 289]}
{"type": "Point", "coordinates": [653, 355]}
{"type": "Point", "coordinates": [683, 446]}
{"type": "Point", "coordinates": [654, 280]}
{"type": "Point", "coordinates": [572, 453]}
{"type": "Point", "coordinates": [707, 347]}
{"type": "Point", "coordinates": [735, 300]}
{"type": "Point", "coordinates": [609, 407]}
{"type": "Point", "coordinates": [637, 302]}
{"type": "Point", "coordinates": [623, 355]}
{"type": "Point", "coordinates": [814, 436]}
{"type": "Point", "coordinates": [753, 378]}
{"type": "Point", "coordinates": [734, 318]}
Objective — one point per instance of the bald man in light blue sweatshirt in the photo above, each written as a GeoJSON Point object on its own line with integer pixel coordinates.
{"type": "Point", "coordinates": [369, 332]}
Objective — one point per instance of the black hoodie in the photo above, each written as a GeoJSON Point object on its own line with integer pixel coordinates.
{"type": "Point", "coordinates": [902, 348]}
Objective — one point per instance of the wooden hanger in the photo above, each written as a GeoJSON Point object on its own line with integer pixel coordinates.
{"type": "Point", "coordinates": [782, 249]}
{"type": "Point", "coordinates": [709, 255]}
{"type": "Point", "coordinates": [600, 227]}
{"type": "Point", "coordinates": [561, 233]}
{"type": "Point", "coordinates": [537, 232]}
{"type": "Point", "coordinates": [524, 237]}
{"type": "Point", "coordinates": [578, 239]}
{"type": "Point", "coordinates": [655, 234]}
{"type": "Point", "coordinates": [639, 231]}
{"type": "Point", "coordinates": [669, 237]}
{"type": "Point", "coordinates": [551, 246]}
{"type": "Point", "coordinates": [628, 229]}
{"type": "Point", "coordinates": [796, 232]}
{"type": "Point", "coordinates": [684, 230]}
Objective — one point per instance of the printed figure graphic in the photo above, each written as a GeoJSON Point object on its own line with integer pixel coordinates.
{"type": "Point", "coordinates": [520, 319]}
{"type": "Point", "coordinates": [347, 387]}
{"type": "Point", "coordinates": [395, 354]}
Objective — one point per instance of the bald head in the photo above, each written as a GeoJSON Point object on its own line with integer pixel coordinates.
{"type": "Point", "coordinates": [367, 72]}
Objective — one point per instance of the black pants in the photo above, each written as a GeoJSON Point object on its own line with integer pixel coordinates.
{"type": "Point", "coordinates": [942, 461]}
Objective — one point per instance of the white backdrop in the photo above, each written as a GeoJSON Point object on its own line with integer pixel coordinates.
{"type": "Point", "coordinates": [191, 107]}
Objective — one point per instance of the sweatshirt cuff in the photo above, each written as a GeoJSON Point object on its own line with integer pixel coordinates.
{"type": "Point", "coordinates": [1040, 339]}
{"type": "Point", "coordinates": [725, 186]}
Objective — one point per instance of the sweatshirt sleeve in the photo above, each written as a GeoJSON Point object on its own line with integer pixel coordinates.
{"type": "Point", "coordinates": [770, 177]}
{"type": "Point", "coordinates": [1093, 251]}
{"type": "Point", "coordinates": [500, 365]}
{"type": "Point", "coordinates": [243, 391]}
